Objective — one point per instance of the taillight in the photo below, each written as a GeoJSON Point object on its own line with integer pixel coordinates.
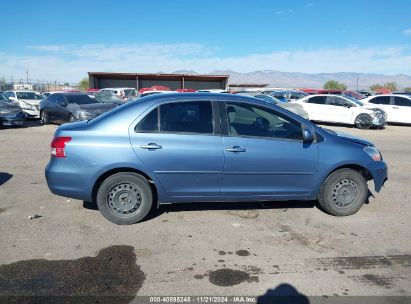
{"type": "Point", "coordinates": [58, 145]}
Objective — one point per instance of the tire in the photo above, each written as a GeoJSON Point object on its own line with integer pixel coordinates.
{"type": "Point", "coordinates": [124, 198]}
{"type": "Point", "coordinates": [44, 118]}
{"type": "Point", "coordinates": [343, 192]}
{"type": "Point", "coordinates": [363, 121]}
{"type": "Point", "coordinates": [72, 118]}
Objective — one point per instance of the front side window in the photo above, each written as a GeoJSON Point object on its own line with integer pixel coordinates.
{"type": "Point", "coordinates": [179, 117]}
{"type": "Point", "coordinates": [385, 100]}
{"type": "Point", "coordinates": [403, 102]}
{"type": "Point", "coordinates": [253, 121]}
{"type": "Point", "coordinates": [337, 101]}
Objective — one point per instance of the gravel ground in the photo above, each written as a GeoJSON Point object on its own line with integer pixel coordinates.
{"type": "Point", "coordinates": [200, 249]}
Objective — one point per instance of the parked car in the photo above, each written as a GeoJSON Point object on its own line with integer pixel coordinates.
{"type": "Point", "coordinates": [352, 94]}
{"type": "Point", "coordinates": [124, 93]}
{"type": "Point", "coordinates": [292, 107]}
{"type": "Point", "coordinates": [214, 91]}
{"type": "Point", "coordinates": [397, 107]}
{"type": "Point", "coordinates": [192, 147]}
{"type": "Point", "coordinates": [366, 93]}
{"type": "Point", "coordinates": [288, 95]}
{"type": "Point", "coordinates": [402, 93]}
{"type": "Point", "coordinates": [71, 107]}
{"type": "Point", "coordinates": [10, 114]}
{"type": "Point", "coordinates": [342, 109]}
{"type": "Point", "coordinates": [27, 100]}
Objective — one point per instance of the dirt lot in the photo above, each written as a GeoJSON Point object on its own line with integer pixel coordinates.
{"type": "Point", "coordinates": [200, 249]}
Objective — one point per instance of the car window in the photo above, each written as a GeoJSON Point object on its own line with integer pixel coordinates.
{"type": "Point", "coordinates": [2, 98]}
{"type": "Point", "coordinates": [80, 99]}
{"type": "Point", "coordinates": [336, 101]}
{"type": "Point", "coordinates": [401, 101]}
{"type": "Point", "coordinates": [317, 99]}
{"type": "Point", "coordinates": [28, 95]}
{"type": "Point", "coordinates": [187, 117]}
{"type": "Point", "coordinates": [247, 120]}
{"type": "Point", "coordinates": [149, 123]}
{"type": "Point", "coordinates": [385, 100]}
{"type": "Point", "coordinates": [51, 98]}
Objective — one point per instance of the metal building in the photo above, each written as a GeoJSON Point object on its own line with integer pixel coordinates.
{"type": "Point", "coordinates": [100, 80]}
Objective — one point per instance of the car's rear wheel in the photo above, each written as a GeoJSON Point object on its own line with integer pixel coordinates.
{"type": "Point", "coordinates": [363, 121]}
{"type": "Point", "coordinates": [343, 192]}
{"type": "Point", "coordinates": [44, 118]}
{"type": "Point", "coordinates": [124, 198]}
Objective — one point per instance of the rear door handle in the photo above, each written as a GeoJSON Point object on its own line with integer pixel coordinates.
{"type": "Point", "coordinates": [151, 146]}
{"type": "Point", "coordinates": [395, 108]}
{"type": "Point", "coordinates": [236, 149]}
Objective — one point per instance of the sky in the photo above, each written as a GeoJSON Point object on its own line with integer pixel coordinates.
{"type": "Point", "coordinates": [63, 40]}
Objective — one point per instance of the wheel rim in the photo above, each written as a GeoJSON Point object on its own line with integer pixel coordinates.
{"type": "Point", "coordinates": [44, 117]}
{"type": "Point", "coordinates": [124, 199]}
{"type": "Point", "coordinates": [345, 192]}
{"type": "Point", "coordinates": [361, 122]}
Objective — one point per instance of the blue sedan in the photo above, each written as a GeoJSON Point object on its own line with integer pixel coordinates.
{"type": "Point", "coordinates": [192, 147]}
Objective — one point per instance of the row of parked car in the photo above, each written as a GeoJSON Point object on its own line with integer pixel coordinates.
{"type": "Point", "coordinates": [331, 106]}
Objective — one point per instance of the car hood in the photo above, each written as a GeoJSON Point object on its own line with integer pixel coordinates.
{"type": "Point", "coordinates": [34, 102]}
{"type": "Point", "coordinates": [11, 107]}
{"type": "Point", "coordinates": [353, 138]}
{"type": "Point", "coordinates": [92, 107]}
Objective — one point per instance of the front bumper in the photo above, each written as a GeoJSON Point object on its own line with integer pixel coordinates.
{"type": "Point", "coordinates": [32, 113]}
{"type": "Point", "coordinates": [379, 172]}
{"type": "Point", "coordinates": [17, 119]}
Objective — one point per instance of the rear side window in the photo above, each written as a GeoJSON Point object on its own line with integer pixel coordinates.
{"type": "Point", "coordinates": [401, 101]}
{"type": "Point", "coordinates": [385, 100]}
{"type": "Point", "coordinates": [149, 123]}
{"type": "Point", "coordinates": [187, 117]}
{"type": "Point", "coordinates": [180, 117]}
{"type": "Point", "coordinates": [317, 99]}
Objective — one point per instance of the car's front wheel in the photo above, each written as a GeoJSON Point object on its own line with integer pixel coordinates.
{"type": "Point", "coordinates": [44, 118]}
{"type": "Point", "coordinates": [343, 192]}
{"type": "Point", "coordinates": [124, 198]}
{"type": "Point", "coordinates": [363, 121]}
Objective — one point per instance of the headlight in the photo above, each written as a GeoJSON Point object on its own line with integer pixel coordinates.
{"type": "Point", "coordinates": [82, 115]}
{"type": "Point", "coordinates": [373, 153]}
{"type": "Point", "coordinates": [5, 112]}
{"type": "Point", "coordinates": [27, 106]}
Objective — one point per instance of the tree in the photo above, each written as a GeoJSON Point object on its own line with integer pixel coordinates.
{"type": "Point", "coordinates": [407, 89]}
{"type": "Point", "coordinates": [392, 86]}
{"type": "Point", "coordinates": [334, 85]}
{"type": "Point", "coordinates": [83, 84]}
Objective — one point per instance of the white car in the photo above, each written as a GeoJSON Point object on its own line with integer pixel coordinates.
{"type": "Point", "coordinates": [124, 93]}
{"type": "Point", "coordinates": [342, 109]}
{"type": "Point", "coordinates": [397, 107]}
{"type": "Point", "coordinates": [28, 101]}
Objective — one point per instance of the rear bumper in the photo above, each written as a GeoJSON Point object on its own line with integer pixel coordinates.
{"type": "Point", "coordinates": [379, 172]}
{"type": "Point", "coordinates": [68, 180]}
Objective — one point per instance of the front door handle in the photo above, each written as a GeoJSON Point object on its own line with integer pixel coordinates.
{"type": "Point", "coordinates": [236, 149]}
{"type": "Point", "coordinates": [395, 108]}
{"type": "Point", "coordinates": [151, 146]}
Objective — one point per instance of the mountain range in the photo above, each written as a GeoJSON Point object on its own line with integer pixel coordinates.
{"type": "Point", "coordinates": [299, 80]}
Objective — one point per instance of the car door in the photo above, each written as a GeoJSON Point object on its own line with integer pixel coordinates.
{"type": "Point", "coordinates": [401, 109]}
{"type": "Point", "coordinates": [265, 156]}
{"type": "Point", "coordinates": [180, 143]}
{"type": "Point", "coordinates": [338, 109]}
{"type": "Point", "coordinates": [60, 111]}
{"type": "Point", "coordinates": [316, 107]}
{"type": "Point", "coordinates": [384, 103]}
{"type": "Point", "coordinates": [50, 107]}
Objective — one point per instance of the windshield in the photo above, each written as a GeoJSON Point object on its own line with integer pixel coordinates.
{"type": "Point", "coordinates": [107, 97]}
{"type": "Point", "coordinates": [267, 98]}
{"type": "Point", "coordinates": [81, 99]}
{"type": "Point", "coordinates": [28, 95]}
{"type": "Point", "coordinates": [356, 101]}
{"type": "Point", "coordinates": [130, 92]}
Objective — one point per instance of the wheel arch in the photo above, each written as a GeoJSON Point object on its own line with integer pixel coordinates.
{"type": "Point", "coordinates": [361, 169]}
{"type": "Point", "coordinates": [112, 171]}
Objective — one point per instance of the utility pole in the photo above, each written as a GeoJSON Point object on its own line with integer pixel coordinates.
{"type": "Point", "coordinates": [358, 77]}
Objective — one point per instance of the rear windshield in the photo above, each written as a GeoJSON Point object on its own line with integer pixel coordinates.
{"type": "Point", "coordinates": [28, 95]}
{"type": "Point", "coordinates": [80, 99]}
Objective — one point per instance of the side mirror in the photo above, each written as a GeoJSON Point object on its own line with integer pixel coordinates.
{"type": "Point", "coordinates": [308, 135]}
{"type": "Point", "coordinates": [12, 98]}
{"type": "Point", "coordinates": [63, 103]}
{"type": "Point", "coordinates": [348, 105]}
